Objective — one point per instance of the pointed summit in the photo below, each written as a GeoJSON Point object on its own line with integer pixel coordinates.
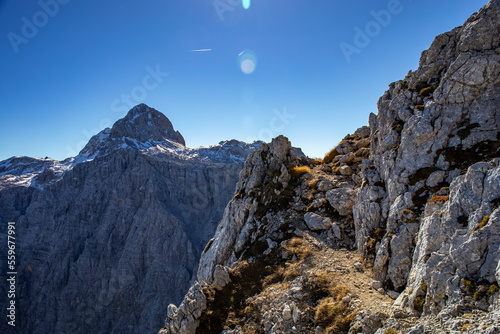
{"type": "Point", "coordinates": [146, 124]}
{"type": "Point", "coordinates": [143, 127]}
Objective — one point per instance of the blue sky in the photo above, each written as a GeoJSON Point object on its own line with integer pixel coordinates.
{"type": "Point", "coordinates": [70, 68]}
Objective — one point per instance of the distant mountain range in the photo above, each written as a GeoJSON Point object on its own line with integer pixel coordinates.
{"type": "Point", "coordinates": [107, 239]}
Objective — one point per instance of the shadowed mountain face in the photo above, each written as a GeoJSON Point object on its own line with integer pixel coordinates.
{"type": "Point", "coordinates": [102, 235]}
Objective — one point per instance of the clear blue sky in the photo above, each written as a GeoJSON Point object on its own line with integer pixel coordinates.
{"type": "Point", "coordinates": [88, 61]}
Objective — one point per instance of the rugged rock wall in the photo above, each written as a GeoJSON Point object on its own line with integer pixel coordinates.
{"type": "Point", "coordinates": [276, 199]}
{"type": "Point", "coordinates": [108, 239]}
{"type": "Point", "coordinates": [424, 207]}
{"type": "Point", "coordinates": [267, 165]}
{"type": "Point", "coordinates": [432, 178]}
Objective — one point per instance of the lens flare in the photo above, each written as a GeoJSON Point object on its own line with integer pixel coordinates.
{"type": "Point", "coordinates": [247, 61]}
{"type": "Point", "coordinates": [246, 3]}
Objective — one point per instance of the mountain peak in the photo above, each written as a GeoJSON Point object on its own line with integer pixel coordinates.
{"type": "Point", "coordinates": [142, 127]}
{"type": "Point", "coordinates": [146, 124]}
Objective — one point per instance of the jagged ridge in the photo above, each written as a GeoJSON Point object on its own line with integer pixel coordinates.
{"type": "Point", "coordinates": [423, 206]}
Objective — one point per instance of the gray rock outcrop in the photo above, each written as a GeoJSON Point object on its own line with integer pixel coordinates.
{"type": "Point", "coordinates": [431, 179]}
{"type": "Point", "coordinates": [265, 167]}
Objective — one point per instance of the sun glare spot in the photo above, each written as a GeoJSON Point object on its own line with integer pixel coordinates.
{"type": "Point", "coordinates": [247, 61]}
{"type": "Point", "coordinates": [246, 3]}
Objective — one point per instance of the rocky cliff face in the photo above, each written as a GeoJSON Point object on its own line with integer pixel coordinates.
{"type": "Point", "coordinates": [415, 198]}
{"type": "Point", "coordinates": [434, 147]}
{"type": "Point", "coordinates": [107, 239]}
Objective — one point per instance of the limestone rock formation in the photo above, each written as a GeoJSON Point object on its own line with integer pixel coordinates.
{"type": "Point", "coordinates": [416, 196]}
{"type": "Point", "coordinates": [106, 240]}
{"type": "Point", "coordinates": [276, 198]}
{"type": "Point", "coordinates": [434, 138]}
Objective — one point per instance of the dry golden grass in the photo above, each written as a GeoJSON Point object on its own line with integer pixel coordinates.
{"type": "Point", "coordinates": [332, 312]}
{"type": "Point", "coordinates": [326, 282]}
{"type": "Point", "coordinates": [465, 327]}
{"type": "Point", "coordinates": [298, 171]}
{"type": "Point", "coordinates": [441, 199]}
{"type": "Point", "coordinates": [317, 162]}
{"type": "Point", "coordinates": [330, 156]}
{"type": "Point", "coordinates": [292, 270]}
{"type": "Point", "coordinates": [313, 184]}
{"type": "Point", "coordinates": [295, 247]}
{"type": "Point", "coordinates": [298, 247]}
{"type": "Point", "coordinates": [326, 311]}
{"type": "Point", "coordinates": [483, 223]}
{"type": "Point", "coordinates": [391, 331]}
